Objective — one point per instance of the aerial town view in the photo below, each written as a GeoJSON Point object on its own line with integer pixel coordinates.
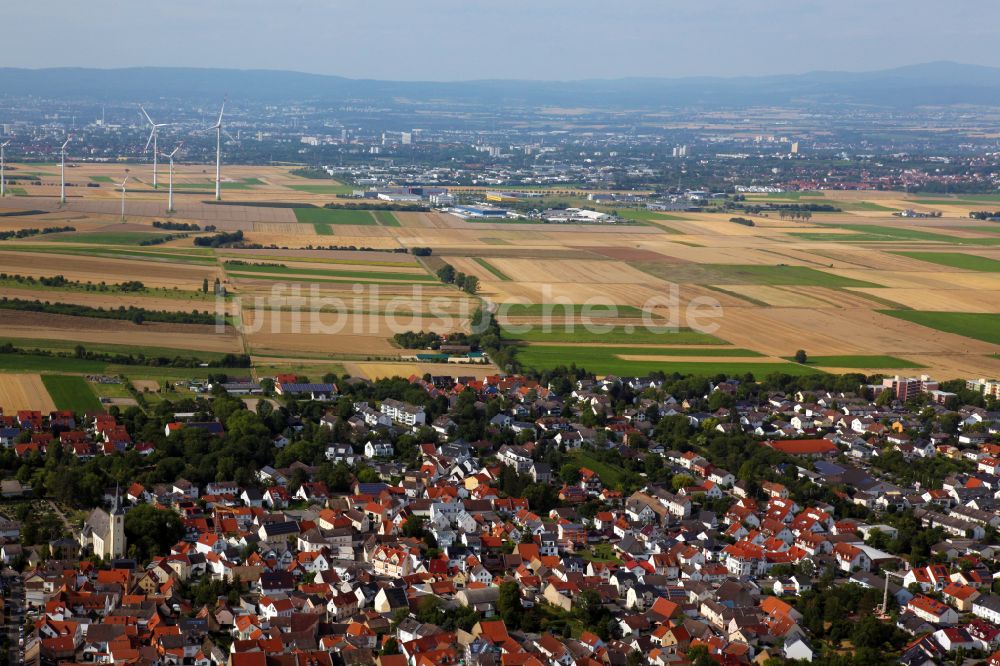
{"type": "Point", "coordinates": [499, 334]}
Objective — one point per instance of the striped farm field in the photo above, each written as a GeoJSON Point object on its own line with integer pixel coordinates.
{"type": "Point", "coordinates": [861, 361]}
{"type": "Point", "coordinates": [969, 262]}
{"type": "Point", "coordinates": [335, 216]}
{"type": "Point", "coordinates": [72, 393]}
{"type": "Point", "coordinates": [616, 334]}
{"type": "Point", "coordinates": [610, 361]}
{"type": "Point", "coordinates": [24, 391]}
{"type": "Point", "coordinates": [976, 325]}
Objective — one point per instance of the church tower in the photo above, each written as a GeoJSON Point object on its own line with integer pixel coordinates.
{"type": "Point", "coordinates": [116, 529]}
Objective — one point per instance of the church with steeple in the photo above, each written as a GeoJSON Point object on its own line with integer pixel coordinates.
{"type": "Point", "coordinates": [104, 531]}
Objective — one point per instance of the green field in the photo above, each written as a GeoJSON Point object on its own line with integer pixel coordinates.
{"type": "Point", "coordinates": [62, 346]}
{"type": "Point", "coordinates": [864, 205]}
{"type": "Point", "coordinates": [102, 179]}
{"type": "Point", "coordinates": [29, 363]}
{"type": "Point", "coordinates": [335, 216]}
{"type": "Point", "coordinates": [497, 273]}
{"type": "Point", "coordinates": [105, 237]}
{"type": "Point", "coordinates": [323, 272]}
{"type": "Point", "coordinates": [869, 233]}
{"type": "Point", "coordinates": [333, 188]}
{"type": "Point", "coordinates": [861, 361]}
{"type": "Point", "coordinates": [72, 393]}
{"type": "Point", "coordinates": [196, 256]}
{"type": "Point", "coordinates": [16, 191]}
{"type": "Point", "coordinates": [720, 274]}
{"type": "Point", "coordinates": [386, 218]}
{"type": "Point", "coordinates": [956, 260]}
{"type": "Point", "coordinates": [237, 185]}
{"type": "Point", "coordinates": [623, 334]}
{"type": "Point", "coordinates": [602, 310]}
{"type": "Point", "coordinates": [604, 361]}
{"type": "Point", "coordinates": [976, 325]}
{"type": "Point", "coordinates": [611, 475]}
{"type": "Point", "coordinates": [323, 229]}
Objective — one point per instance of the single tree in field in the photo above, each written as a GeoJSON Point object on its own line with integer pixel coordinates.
{"type": "Point", "coordinates": [204, 286]}
{"type": "Point", "coordinates": [800, 356]}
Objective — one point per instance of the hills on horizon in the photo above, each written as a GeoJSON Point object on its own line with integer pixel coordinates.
{"type": "Point", "coordinates": [930, 84]}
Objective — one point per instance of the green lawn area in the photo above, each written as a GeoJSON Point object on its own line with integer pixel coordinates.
{"type": "Point", "coordinates": [323, 229]}
{"type": "Point", "coordinates": [72, 393]}
{"type": "Point", "coordinates": [601, 552]}
{"type": "Point", "coordinates": [720, 274]}
{"type": "Point", "coordinates": [638, 335]}
{"type": "Point", "coordinates": [104, 237]}
{"type": "Point", "coordinates": [860, 361]}
{"type": "Point", "coordinates": [333, 188]}
{"type": "Point", "coordinates": [604, 361]}
{"type": "Point", "coordinates": [497, 273]}
{"type": "Point", "coordinates": [956, 260]}
{"type": "Point", "coordinates": [29, 363]}
{"type": "Point", "coordinates": [323, 272]}
{"type": "Point", "coordinates": [335, 216]}
{"type": "Point", "coordinates": [976, 325]}
{"type": "Point", "coordinates": [102, 179]}
{"type": "Point", "coordinates": [17, 191]}
{"type": "Point", "coordinates": [386, 218]}
{"type": "Point", "coordinates": [611, 475]}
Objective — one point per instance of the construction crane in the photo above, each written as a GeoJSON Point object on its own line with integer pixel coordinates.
{"type": "Point", "coordinates": [883, 610]}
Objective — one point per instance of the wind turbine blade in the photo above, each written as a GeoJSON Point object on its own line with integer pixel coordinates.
{"type": "Point", "coordinates": [221, 111]}
{"type": "Point", "coordinates": [149, 140]}
{"type": "Point", "coordinates": [66, 144]}
{"type": "Point", "coordinates": [147, 115]}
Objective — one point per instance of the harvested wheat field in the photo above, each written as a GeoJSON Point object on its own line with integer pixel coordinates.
{"type": "Point", "coordinates": [19, 392]}
{"type": "Point", "coordinates": [381, 370]}
{"type": "Point", "coordinates": [104, 269]}
{"type": "Point", "coordinates": [941, 300]}
{"type": "Point", "coordinates": [195, 337]}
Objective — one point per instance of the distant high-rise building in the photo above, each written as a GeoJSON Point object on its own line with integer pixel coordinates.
{"type": "Point", "coordinates": [406, 138]}
{"type": "Point", "coordinates": [795, 147]}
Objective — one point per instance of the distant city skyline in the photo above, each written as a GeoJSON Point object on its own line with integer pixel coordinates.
{"type": "Point", "coordinates": [450, 40]}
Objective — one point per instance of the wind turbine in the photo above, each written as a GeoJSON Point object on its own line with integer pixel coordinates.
{"type": "Point", "coordinates": [62, 172]}
{"type": "Point", "coordinates": [218, 153]}
{"type": "Point", "coordinates": [154, 133]}
{"type": "Point", "coordinates": [3, 167]}
{"type": "Point", "coordinates": [170, 195]}
{"type": "Point", "coordinates": [123, 195]}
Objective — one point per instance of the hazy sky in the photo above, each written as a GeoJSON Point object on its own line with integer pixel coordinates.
{"type": "Point", "coordinates": [469, 39]}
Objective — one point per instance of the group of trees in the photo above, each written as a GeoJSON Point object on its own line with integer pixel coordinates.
{"type": "Point", "coordinates": [795, 214]}
{"type": "Point", "coordinates": [160, 240]}
{"type": "Point", "coordinates": [219, 240]}
{"type": "Point", "coordinates": [131, 313]}
{"type": "Point", "coordinates": [742, 220]}
{"type": "Point", "coordinates": [26, 233]}
{"type": "Point", "coordinates": [179, 226]}
{"type": "Point", "coordinates": [467, 283]}
{"type": "Point", "coordinates": [60, 281]}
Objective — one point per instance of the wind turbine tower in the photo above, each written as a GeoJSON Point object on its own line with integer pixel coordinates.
{"type": "Point", "coordinates": [218, 154]}
{"type": "Point", "coordinates": [170, 190]}
{"type": "Point", "coordinates": [124, 182]}
{"type": "Point", "coordinates": [154, 134]}
{"type": "Point", "coordinates": [3, 168]}
{"type": "Point", "coordinates": [62, 172]}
